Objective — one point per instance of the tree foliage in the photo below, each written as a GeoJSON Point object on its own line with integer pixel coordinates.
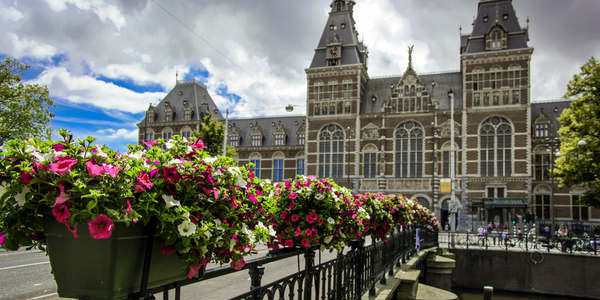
{"type": "Point", "coordinates": [580, 165]}
{"type": "Point", "coordinates": [24, 108]}
{"type": "Point", "coordinates": [212, 134]}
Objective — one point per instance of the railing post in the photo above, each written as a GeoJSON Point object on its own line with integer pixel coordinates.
{"type": "Point", "coordinates": [256, 274]}
{"type": "Point", "coordinates": [595, 253]}
{"type": "Point", "coordinates": [338, 277]}
{"type": "Point", "coordinates": [309, 263]}
{"type": "Point", "coordinates": [372, 291]}
{"type": "Point", "coordinates": [359, 273]}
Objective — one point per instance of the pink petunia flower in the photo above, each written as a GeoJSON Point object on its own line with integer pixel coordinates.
{"type": "Point", "coordinates": [138, 188]}
{"type": "Point", "coordinates": [194, 270]}
{"type": "Point", "coordinates": [292, 204]}
{"type": "Point", "coordinates": [26, 177]}
{"type": "Point", "coordinates": [289, 243]}
{"type": "Point", "coordinates": [171, 174]}
{"type": "Point", "coordinates": [150, 144]}
{"type": "Point", "coordinates": [112, 171]}
{"type": "Point", "coordinates": [284, 214]}
{"type": "Point", "coordinates": [320, 221]}
{"type": "Point", "coordinates": [308, 232]}
{"type": "Point", "coordinates": [312, 217]}
{"type": "Point", "coordinates": [64, 196]}
{"type": "Point", "coordinates": [94, 170]}
{"type": "Point", "coordinates": [293, 196]}
{"type": "Point", "coordinates": [144, 180]}
{"type": "Point", "coordinates": [198, 145]}
{"type": "Point", "coordinates": [58, 147]}
{"type": "Point", "coordinates": [238, 265]}
{"type": "Point", "coordinates": [101, 227]}
{"type": "Point", "coordinates": [167, 249]}
{"type": "Point", "coordinates": [305, 243]}
{"type": "Point", "coordinates": [61, 212]}
{"type": "Point", "coordinates": [297, 231]}
{"type": "Point", "coordinates": [295, 218]}
{"type": "Point", "coordinates": [63, 167]}
{"type": "Point", "coordinates": [253, 198]}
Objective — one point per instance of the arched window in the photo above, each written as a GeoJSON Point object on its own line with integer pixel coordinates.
{"type": "Point", "coordinates": [278, 166]}
{"type": "Point", "coordinates": [186, 132]}
{"type": "Point", "coordinates": [495, 147]}
{"type": "Point", "coordinates": [424, 202]}
{"type": "Point", "coordinates": [255, 159]}
{"type": "Point", "coordinates": [409, 150]}
{"type": "Point", "coordinates": [370, 161]}
{"type": "Point", "coordinates": [331, 152]}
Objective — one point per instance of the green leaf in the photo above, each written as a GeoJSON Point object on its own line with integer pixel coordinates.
{"type": "Point", "coordinates": [91, 205]}
{"type": "Point", "coordinates": [22, 238]}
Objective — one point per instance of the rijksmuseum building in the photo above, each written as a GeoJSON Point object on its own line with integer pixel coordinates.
{"type": "Point", "coordinates": [392, 134]}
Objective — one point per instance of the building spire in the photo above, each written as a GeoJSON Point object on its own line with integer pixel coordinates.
{"type": "Point", "coordinates": [410, 50]}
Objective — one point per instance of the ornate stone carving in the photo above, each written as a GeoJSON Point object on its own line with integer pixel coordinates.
{"type": "Point", "coordinates": [542, 188]}
{"type": "Point", "coordinates": [371, 131]}
{"type": "Point", "coordinates": [445, 129]}
{"type": "Point", "coordinates": [368, 184]}
{"type": "Point", "coordinates": [410, 184]}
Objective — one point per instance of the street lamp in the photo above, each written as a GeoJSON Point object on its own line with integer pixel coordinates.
{"type": "Point", "coordinates": [454, 206]}
{"type": "Point", "coordinates": [552, 144]}
{"type": "Point", "coordinates": [350, 133]}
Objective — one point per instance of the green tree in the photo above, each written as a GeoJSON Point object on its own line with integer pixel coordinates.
{"type": "Point", "coordinates": [580, 164]}
{"type": "Point", "coordinates": [212, 134]}
{"type": "Point", "coordinates": [24, 108]}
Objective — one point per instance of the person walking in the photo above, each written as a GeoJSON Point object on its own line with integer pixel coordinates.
{"type": "Point", "coordinates": [563, 237]}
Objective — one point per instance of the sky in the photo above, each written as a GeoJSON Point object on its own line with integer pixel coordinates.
{"type": "Point", "coordinates": [105, 61]}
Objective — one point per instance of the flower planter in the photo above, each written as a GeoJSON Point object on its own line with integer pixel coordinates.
{"type": "Point", "coordinates": [87, 268]}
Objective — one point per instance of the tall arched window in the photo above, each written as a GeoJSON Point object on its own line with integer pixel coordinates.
{"type": "Point", "coordinates": [495, 153]}
{"type": "Point", "coordinates": [331, 152]}
{"type": "Point", "coordinates": [409, 150]}
{"type": "Point", "coordinates": [424, 202]}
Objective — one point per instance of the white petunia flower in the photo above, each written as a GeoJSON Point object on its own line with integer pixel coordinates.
{"type": "Point", "coordinates": [327, 240]}
{"type": "Point", "coordinates": [240, 181]}
{"type": "Point", "coordinates": [330, 220]}
{"type": "Point", "coordinates": [170, 201]}
{"type": "Point", "coordinates": [186, 228]}
{"type": "Point", "coordinates": [136, 155]}
{"type": "Point", "coordinates": [174, 162]}
{"type": "Point", "coordinates": [42, 157]}
{"type": "Point", "coordinates": [232, 244]}
{"type": "Point", "coordinates": [218, 224]}
{"type": "Point", "coordinates": [234, 170]}
{"type": "Point", "coordinates": [170, 144]}
{"type": "Point", "coordinates": [30, 148]}
{"type": "Point", "coordinates": [210, 160]}
{"type": "Point", "coordinates": [21, 196]}
{"type": "Point", "coordinates": [99, 152]}
{"type": "Point", "coordinates": [217, 174]}
{"type": "Point", "coordinates": [245, 229]}
{"type": "Point", "coordinates": [272, 231]}
{"type": "Point", "coordinates": [319, 196]}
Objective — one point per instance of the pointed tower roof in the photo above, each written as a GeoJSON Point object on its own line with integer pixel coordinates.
{"type": "Point", "coordinates": [490, 14]}
{"type": "Point", "coordinates": [340, 29]}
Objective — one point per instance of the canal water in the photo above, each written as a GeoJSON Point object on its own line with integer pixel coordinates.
{"type": "Point", "coordinates": [472, 294]}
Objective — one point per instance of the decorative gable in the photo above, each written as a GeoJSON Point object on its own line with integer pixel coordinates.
{"type": "Point", "coordinates": [279, 136]}
{"type": "Point", "coordinates": [371, 131]}
{"type": "Point", "coordinates": [256, 136]}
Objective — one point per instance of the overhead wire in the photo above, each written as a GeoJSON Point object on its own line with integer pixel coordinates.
{"type": "Point", "coordinates": [221, 53]}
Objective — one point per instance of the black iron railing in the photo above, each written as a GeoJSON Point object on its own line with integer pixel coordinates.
{"type": "Point", "coordinates": [348, 276]}
{"type": "Point", "coordinates": [523, 242]}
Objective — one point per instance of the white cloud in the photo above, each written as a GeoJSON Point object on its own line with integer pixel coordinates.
{"type": "Point", "coordinates": [104, 131]}
{"type": "Point", "coordinates": [124, 134]}
{"type": "Point", "coordinates": [86, 89]}
{"type": "Point", "coordinates": [10, 14]}
{"type": "Point", "coordinates": [104, 11]}
{"type": "Point", "coordinates": [138, 73]}
{"type": "Point", "coordinates": [26, 47]}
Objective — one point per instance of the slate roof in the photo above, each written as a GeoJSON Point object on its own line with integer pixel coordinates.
{"type": "Point", "coordinates": [444, 82]}
{"type": "Point", "coordinates": [353, 50]}
{"type": "Point", "coordinates": [198, 99]}
{"type": "Point", "coordinates": [548, 106]}
{"type": "Point", "coordinates": [495, 10]}
{"type": "Point", "coordinates": [267, 127]}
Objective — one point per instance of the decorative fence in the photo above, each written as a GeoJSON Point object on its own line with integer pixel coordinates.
{"type": "Point", "coordinates": [526, 242]}
{"type": "Point", "coordinates": [348, 276]}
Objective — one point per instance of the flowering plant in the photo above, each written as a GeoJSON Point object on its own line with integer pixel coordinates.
{"type": "Point", "coordinates": [314, 211]}
{"type": "Point", "coordinates": [380, 207]}
{"type": "Point", "coordinates": [206, 208]}
{"type": "Point", "coordinates": [401, 212]}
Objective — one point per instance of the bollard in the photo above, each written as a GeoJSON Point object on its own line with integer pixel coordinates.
{"type": "Point", "coordinates": [488, 292]}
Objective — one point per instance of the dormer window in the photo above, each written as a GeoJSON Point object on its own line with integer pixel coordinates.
{"type": "Point", "coordinates": [256, 136]}
{"type": "Point", "coordinates": [542, 126]}
{"type": "Point", "coordinates": [485, 19]}
{"type": "Point", "coordinates": [505, 17]}
{"type": "Point", "coordinates": [187, 111]}
{"type": "Point", "coordinates": [168, 112]}
{"type": "Point", "coordinates": [343, 25]}
{"type": "Point", "coordinates": [150, 116]}
{"type": "Point", "coordinates": [279, 136]}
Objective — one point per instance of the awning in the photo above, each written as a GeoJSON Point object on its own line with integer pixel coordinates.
{"type": "Point", "coordinates": [498, 203]}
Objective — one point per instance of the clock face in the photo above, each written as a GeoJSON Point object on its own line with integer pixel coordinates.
{"type": "Point", "coordinates": [410, 79]}
{"type": "Point", "coordinates": [333, 52]}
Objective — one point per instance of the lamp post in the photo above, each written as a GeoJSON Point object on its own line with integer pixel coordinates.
{"type": "Point", "coordinates": [350, 133]}
{"type": "Point", "coordinates": [452, 170]}
{"type": "Point", "coordinates": [552, 144]}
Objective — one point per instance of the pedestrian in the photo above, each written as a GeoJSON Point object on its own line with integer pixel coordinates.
{"type": "Point", "coordinates": [500, 232]}
{"type": "Point", "coordinates": [446, 227]}
{"type": "Point", "coordinates": [489, 227]}
{"type": "Point", "coordinates": [480, 231]}
{"type": "Point", "coordinates": [563, 237]}
{"type": "Point", "coordinates": [505, 236]}
{"type": "Point", "coordinates": [519, 233]}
